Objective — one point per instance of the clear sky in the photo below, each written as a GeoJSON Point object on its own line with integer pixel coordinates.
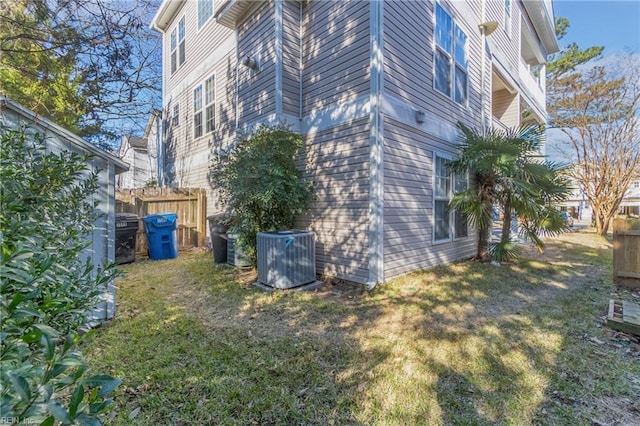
{"type": "Point", "coordinates": [613, 24]}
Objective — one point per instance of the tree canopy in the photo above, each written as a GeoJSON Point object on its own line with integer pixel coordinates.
{"type": "Point", "coordinates": [594, 101]}
{"type": "Point", "coordinates": [92, 66]}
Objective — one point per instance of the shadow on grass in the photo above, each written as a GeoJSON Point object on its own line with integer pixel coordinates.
{"type": "Point", "coordinates": [466, 343]}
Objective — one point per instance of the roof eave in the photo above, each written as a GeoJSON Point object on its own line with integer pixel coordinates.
{"type": "Point", "coordinates": [165, 14]}
{"type": "Point", "coordinates": [543, 22]}
{"type": "Point", "coordinates": [120, 166]}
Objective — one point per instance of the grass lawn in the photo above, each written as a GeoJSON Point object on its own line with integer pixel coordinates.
{"type": "Point", "coordinates": [468, 344]}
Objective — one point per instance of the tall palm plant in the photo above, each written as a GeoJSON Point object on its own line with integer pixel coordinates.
{"type": "Point", "coordinates": [508, 172]}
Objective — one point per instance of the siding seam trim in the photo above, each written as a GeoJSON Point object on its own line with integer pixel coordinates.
{"type": "Point", "coordinates": [278, 48]}
{"type": "Point", "coordinates": [376, 166]}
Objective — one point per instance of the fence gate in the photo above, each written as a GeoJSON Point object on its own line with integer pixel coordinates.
{"type": "Point", "coordinates": [626, 252]}
{"type": "Point", "coordinates": [190, 204]}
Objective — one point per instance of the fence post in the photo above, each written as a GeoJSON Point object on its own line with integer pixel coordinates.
{"type": "Point", "coordinates": [626, 252]}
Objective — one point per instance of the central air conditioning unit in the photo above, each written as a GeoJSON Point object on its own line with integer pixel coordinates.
{"type": "Point", "coordinates": [286, 259]}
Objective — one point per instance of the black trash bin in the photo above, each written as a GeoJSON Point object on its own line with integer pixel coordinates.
{"type": "Point", "coordinates": [126, 231]}
{"type": "Point", "coordinates": [218, 226]}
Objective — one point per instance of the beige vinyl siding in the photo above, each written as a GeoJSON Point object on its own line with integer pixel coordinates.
{"type": "Point", "coordinates": [337, 161]}
{"type": "Point", "coordinates": [335, 53]}
{"type": "Point", "coordinates": [408, 203]}
{"type": "Point", "coordinates": [408, 59]}
{"type": "Point", "coordinates": [509, 47]}
{"type": "Point", "coordinates": [291, 58]}
{"type": "Point", "coordinates": [506, 108]}
{"type": "Point", "coordinates": [186, 159]}
{"type": "Point", "coordinates": [256, 36]}
{"type": "Point", "coordinates": [198, 43]}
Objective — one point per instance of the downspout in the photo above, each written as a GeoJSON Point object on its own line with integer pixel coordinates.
{"type": "Point", "coordinates": [300, 73]}
{"type": "Point", "coordinates": [376, 141]}
{"type": "Point", "coordinates": [159, 153]}
{"type": "Point", "coordinates": [279, 10]}
{"type": "Point", "coordinates": [483, 71]}
{"type": "Point", "coordinates": [237, 108]}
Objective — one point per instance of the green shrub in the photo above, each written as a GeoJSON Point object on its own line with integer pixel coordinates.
{"type": "Point", "coordinates": [47, 289]}
{"type": "Point", "coordinates": [260, 184]}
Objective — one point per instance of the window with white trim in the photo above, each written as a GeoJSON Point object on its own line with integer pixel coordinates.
{"type": "Point", "coordinates": [460, 227]}
{"type": "Point", "coordinates": [197, 112]}
{"type": "Point", "coordinates": [175, 117]}
{"type": "Point", "coordinates": [507, 17]}
{"type": "Point", "coordinates": [209, 102]}
{"type": "Point", "coordinates": [178, 54]}
{"type": "Point", "coordinates": [448, 223]}
{"type": "Point", "coordinates": [205, 11]}
{"type": "Point", "coordinates": [450, 57]}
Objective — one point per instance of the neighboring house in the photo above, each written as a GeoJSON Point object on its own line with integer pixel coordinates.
{"type": "Point", "coordinates": [376, 88]}
{"type": "Point", "coordinates": [578, 206]}
{"type": "Point", "coordinates": [102, 247]}
{"type": "Point", "coordinates": [142, 155]}
{"type": "Point", "coordinates": [631, 202]}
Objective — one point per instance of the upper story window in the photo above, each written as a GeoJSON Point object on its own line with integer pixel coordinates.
{"type": "Point", "coordinates": [448, 223]}
{"type": "Point", "coordinates": [197, 112]}
{"type": "Point", "coordinates": [507, 17]}
{"type": "Point", "coordinates": [210, 103]}
{"type": "Point", "coordinates": [178, 53]}
{"type": "Point", "coordinates": [450, 58]}
{"type": "Point", "coordinates": [205, 11]}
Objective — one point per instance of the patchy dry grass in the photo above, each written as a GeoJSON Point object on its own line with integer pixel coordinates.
{"type": "Point", "coordinates": [466, 343]}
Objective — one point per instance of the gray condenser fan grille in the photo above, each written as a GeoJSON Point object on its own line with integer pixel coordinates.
{"type": "Point", "coordinates": [286, 259]}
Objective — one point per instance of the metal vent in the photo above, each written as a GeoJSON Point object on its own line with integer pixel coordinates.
{"type": "Point", "coordinates": [286, 259]}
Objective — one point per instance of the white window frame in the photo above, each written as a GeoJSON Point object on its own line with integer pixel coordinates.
{"type": "Point", "coordinates": [508, 16]}
{"type": "Point", "coordinates": [202, 23]}
{"type": "Point", "coordinates": [453, 62]}
{"type": "Point", "coordinates": [175, 114]}
{"type": "Point", "coordinates": [198, 124]}
{"type": "Point", "coordinates": [209, 103]}
{"type": "Point", "coordinates": [438, 197]}
{"type": "Point", "coordinates": [177, 45]}
{"type": "Point", "coordinates": [454, 212]}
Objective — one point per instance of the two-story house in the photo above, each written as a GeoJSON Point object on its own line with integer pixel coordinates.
{"type": "Point", "coordinates": [143, 156]}
{"type": "Point", "coordinates": [376, 88]}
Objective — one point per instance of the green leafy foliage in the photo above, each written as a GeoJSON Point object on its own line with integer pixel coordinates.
{"type": "Point", "coordinates": [508, 172]}
{"type": "Point", "coordinates": [47, 288]}
{"type": "Point", "coordinates": [260, 183]}
{"type": "Point", "coordinates": [505, 251]}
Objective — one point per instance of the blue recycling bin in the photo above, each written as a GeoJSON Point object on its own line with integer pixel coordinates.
{"type": "Point", "coordinates": [161, 235]}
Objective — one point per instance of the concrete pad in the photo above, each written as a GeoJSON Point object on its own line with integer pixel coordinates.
{"type": "Point", "coordinates": [305, 287]}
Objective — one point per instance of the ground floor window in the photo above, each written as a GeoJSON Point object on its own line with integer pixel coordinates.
{"type": "Point", "coordinates": [448, 223]}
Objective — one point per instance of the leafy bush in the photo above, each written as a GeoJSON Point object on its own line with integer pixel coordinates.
{"type": "Point", "coordinates": [260, 184]}
{"type": "Point", "coordinates": [47, 289]}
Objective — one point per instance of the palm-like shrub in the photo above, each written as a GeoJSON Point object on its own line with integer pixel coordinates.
{"type": "Point", "coordinates": [508, 171]}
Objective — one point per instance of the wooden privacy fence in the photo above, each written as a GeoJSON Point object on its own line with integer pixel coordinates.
{"type": "Point", "coordinates": [626, 252]}
{"type": "Point", "coordinates": [190, 204]}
